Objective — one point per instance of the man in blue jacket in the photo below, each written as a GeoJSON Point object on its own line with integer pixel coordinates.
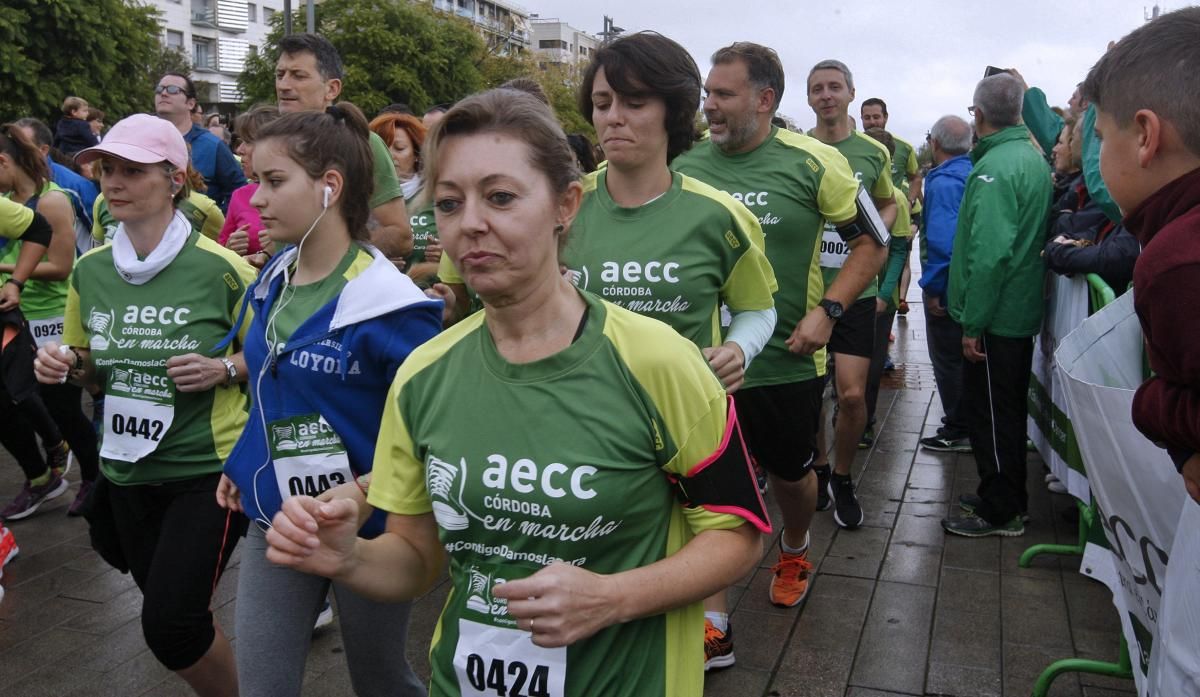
{"type": "Point", "coordinates": [950, 142]}
{"type": "Point", "coordinates": [84, 189]}
{"type": "Point", "coordinates": [174, 100]}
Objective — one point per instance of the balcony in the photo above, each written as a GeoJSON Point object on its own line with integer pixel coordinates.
{"type": "Point", "coordinates": [204, 18]}
{"type": "Point", "coordinates": [228, 15]}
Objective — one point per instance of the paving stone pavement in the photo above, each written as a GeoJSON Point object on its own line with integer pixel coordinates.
{"type": "Point", "coordinates": [896, 608]}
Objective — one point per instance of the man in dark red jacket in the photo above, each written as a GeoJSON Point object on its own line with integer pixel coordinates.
{"type": "Point", "coordinates": [1147, 93]}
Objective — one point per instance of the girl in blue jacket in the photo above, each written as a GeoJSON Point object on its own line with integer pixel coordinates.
{"type": "Point", "coordinates": [332, 321]}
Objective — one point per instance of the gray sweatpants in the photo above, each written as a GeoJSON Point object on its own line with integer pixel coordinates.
{"type": "Point", "coordinates": [276, 609]}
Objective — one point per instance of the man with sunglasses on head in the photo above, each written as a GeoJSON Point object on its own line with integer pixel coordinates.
{"type": "Point", "coordinates": [175, 100]}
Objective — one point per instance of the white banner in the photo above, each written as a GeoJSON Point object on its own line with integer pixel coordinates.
{"type": "Point", "coordinates": [1049, 425]}
{"type": "Point", "coordinates": [1138, 491]}
{"type": "Point", "coordinates": [1175, 669]}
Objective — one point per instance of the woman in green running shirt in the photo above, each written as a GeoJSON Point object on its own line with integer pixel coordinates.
{"type": "Point", "coordinates": [565, 582]}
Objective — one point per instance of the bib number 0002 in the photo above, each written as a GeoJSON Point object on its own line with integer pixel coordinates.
{"type": "Point", "coordinates": [511, 679]}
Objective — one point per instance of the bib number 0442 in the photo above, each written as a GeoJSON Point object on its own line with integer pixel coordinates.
{"type": "Point", "coordinates": [150, 429]}
{"type": "Point", "coordinates": [511, 679]}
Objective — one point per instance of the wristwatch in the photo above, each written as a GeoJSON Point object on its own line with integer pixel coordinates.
{"type": "Point", "coordinates": [832, 308]}
{"type": "Point", "coordinates": [230, 372]}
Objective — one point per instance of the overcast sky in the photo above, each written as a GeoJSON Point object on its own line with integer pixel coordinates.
{"type": "Point", "coordinates": [922, 57]}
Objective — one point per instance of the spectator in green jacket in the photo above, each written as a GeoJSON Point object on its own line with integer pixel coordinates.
{"type": "Point", "coordinates": [996, 279]}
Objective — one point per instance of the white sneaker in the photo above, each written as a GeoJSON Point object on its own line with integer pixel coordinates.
{"type": "Point", "coordinates": [326, 617]}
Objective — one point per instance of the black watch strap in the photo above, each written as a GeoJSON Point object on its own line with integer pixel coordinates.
{"type": "Point", "coordinates": [19, 284]}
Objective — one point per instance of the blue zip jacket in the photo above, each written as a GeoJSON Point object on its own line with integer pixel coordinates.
{"type": "Point", "coordinates": [339, 365]}
{"type": "Point", "coordinates": [82, 186]}
{"type": "Point", "coordinates": [213, 159]}
{"type": "Point", "coordinates": [943, 195]}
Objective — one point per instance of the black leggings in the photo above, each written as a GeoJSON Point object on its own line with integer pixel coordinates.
{"type": "Point", "coordinates": [65, 407]}
{"type": "Point", "coordinates": [177, 541]}
{"type": "Point", "coordinates": [20, 424]}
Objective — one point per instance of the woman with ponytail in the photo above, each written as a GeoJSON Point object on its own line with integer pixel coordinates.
{"type": "Point", "coordinates": [333, 319]}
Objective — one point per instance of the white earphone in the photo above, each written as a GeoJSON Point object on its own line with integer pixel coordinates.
{"type": "Point", "coordinates": [328, 193]}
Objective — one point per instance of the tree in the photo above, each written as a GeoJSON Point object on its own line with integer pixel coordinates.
{"type": "Point", "coordinates": [560, 82]}
{"type": "Point", "coordinates": [391, 52]}
{"type": "Point", "coordinates": [106, 51]}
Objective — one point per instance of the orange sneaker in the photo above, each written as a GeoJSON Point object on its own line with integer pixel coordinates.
{"type": "Point", "coordinates": [792, 574]}
{"type": "Point", "coordinates": [718, 647]}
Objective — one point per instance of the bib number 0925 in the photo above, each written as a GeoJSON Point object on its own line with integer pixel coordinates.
{"type": "Point", "coordinates": [150, 429]}
{"type": "Point", "coordinates": [494, 676]}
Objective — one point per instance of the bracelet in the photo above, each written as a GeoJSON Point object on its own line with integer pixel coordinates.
{"type": "Point", "coordinates": [230, 371]}
{"type": "Point", "coordinates": [19, 284]}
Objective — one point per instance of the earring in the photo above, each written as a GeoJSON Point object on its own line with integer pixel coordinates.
{"type": "Point", "coordinates": [558, 229]}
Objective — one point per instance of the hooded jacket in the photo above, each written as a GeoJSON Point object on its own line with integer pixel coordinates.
{"type": "Point", "coordinates": [1166, 408]}
{"type": "Point", "coordinates": [996, 269]}
{"type": "Point", "coordinates": [943, 196]}
{"type": "Point", "coordinates": [329, 381]}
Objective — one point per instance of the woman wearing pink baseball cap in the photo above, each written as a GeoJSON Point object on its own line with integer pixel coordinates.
{"type": "Point", "coordinates": [143, 317]}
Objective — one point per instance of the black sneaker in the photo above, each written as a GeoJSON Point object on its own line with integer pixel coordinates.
{"type": "Point", "coordinates": [969, 502]}
{"type": "Point", "coordinates": [31, 497]}
{"type": "Point", "coordinates": [847, 512]}
{"type": "Point", "coordinates": [945, 444]}
{"type": "Point", "coordinates": [974, 526]}
{"type": "Point", "coordinates": [823, 487]}
{"type": "Point", "coordinates": [867, 439]}
{"type": "Point", "coordinates": [718, 647]}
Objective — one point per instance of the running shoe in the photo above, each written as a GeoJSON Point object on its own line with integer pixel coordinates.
{"type": "Point", "coordinates": [792, 574]}
{"type": "Point", "coordinates": [58, 459]}
{"type": "Point", "coordinates": [974, 526]}
{"type": "Point", "coordinates": [1055, 486]}
{"type": "Point", "coordinates": [718, 647]}
{"type": "Point", "coordinates": [902, 308]}
{"type": "Point", "coordinates": [889, 366]}
{"type": "Point", "coordinates": [81, 497]}
{"type": "Point", "coordinates": [8, 548]}
{"type": "Point", "coordinates": [31, 497]}
{"type": "Point", "coordinates": [969, 502]}
{"type": "Point", "coordinates": [868, 439]}
{"type": "Point", "coordinates": [823, 473]}
{"type": "Point", "coordinates": [945, 444]}
{"type": "Point", "coordinates": [326, 617]}
{"type": "Point", "coordinates": [847, 512]}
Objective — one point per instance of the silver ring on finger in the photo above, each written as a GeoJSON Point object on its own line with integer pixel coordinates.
{"type": "Point", "coordinates": [531, 625]}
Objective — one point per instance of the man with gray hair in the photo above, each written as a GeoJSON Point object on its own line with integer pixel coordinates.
{"type": "Point", "coordinates": [950, 143]}
{"type": "Point", "coordinates": [996, 278]}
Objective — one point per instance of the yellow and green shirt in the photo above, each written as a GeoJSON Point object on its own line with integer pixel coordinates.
{"type": "Point", "coordinates": [201, 211]}
{"type": "Point", "coordinates": [794, 184]}
{"type": "Point", "coordinates": [42, 301]}
{"type": "Point", "coordinates": [152, 432]}
{"type": "Point", "coordinates": [676, 258]}
{"type": "Point", "coordinates": [545, 473]}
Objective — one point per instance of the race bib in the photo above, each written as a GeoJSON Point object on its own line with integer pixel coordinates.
{"type": "Point", "coordinates": [309, 456]}
{"type": "Point", "coordinates": [133, 427]}
{"type": "Point", "coordinates": [46, 330]}
{"type": "Point", "coordinates": [834, 250]}
{"type": "Point", "coordinates": [498, 662]}
{"type": "Point", "coordinates": [493, 658]}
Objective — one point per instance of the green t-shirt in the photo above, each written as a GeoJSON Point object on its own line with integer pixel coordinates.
{"type": "Point", "coordinates": [424, 229]}
{"type": "Point", "coordinates": [14, 219]}
{"type": "Point", "coordinates": [904, 164]}
{"type": "Point", "coordinates": [793, 183]}
{"type": "Point", "coordinates": [383, 170]}
{"type": "Point", "coordinates": [545, 472]}
{"type": "Point", "coordinates": [42, 302]}
{"type": "Point", "coordinates": [676, 258]}
{"type": "Point", "coordinates": [304, 301]}
{"type": "Point", "coordinates": [201, 211]}
{"type": "Point", "coordinates": [152, 432]}
{"type": "Point", "coordinates": [872, 166]}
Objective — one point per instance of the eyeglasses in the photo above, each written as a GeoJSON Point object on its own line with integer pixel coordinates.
{"type": "Point", "coordinates": [971, 110]}
{"type": "Point", "coordinates": [170, 89]}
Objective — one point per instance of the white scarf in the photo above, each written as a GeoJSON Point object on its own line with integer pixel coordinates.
{"type": "Point", "coordinates": [139, 271]}
{"type": "Point", "coordinates": [411, 186]}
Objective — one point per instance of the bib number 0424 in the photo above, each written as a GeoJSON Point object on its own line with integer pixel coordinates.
{"type": "Point", "coordinates": [511, 679]}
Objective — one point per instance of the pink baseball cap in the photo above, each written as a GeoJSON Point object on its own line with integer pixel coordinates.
{"type": "Point", "coordinates": [141, 138]}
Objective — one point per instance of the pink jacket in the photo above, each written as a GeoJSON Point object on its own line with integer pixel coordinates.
{"type": "Point", "coordinates": [242, 213]}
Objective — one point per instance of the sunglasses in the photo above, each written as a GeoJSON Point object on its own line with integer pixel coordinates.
{"type": "Point", "coordinates": [170, 89]}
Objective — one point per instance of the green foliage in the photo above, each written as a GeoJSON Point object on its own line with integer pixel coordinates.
{"type": "Point", "coordinates": [106, 51]}
{"type": "Point", "coordinates": [392, 52]}
{"type": "Point", "coordinates": [559, 81]}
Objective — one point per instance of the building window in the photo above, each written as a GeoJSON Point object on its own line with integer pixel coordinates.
{"type": "Point", "coordinates": [268, 15]}
{"type": "Point", "coordinates": [202, 54]}
{"type": "Point", "coordinates": [252, 50]}
{"type": "Point", "coordinates": [553, 43]}
{"type": "Point", "coordinates": [175, 39]}
{"type": "Point", "coordinates": [251, 12]}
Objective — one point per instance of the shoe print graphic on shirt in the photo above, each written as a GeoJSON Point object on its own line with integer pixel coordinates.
{"type": "Point", "coordinates": [448, 508]}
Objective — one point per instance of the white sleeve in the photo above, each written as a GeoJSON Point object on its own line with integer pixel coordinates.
{"type": "Point", "coordinates": [751, 329]}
